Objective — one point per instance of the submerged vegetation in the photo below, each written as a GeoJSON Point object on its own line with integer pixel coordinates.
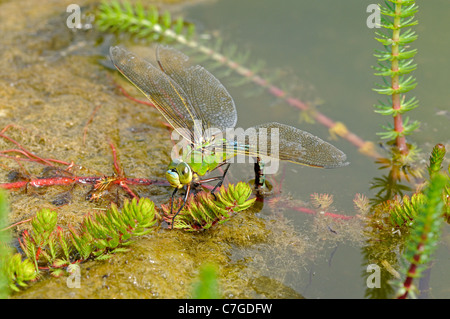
{"type": "Point", "coordinates": [51, 248]}
{"type": "Point", "coordinates": [402, 222]}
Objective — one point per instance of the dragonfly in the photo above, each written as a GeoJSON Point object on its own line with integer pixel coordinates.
{"type": "Point", "coordinates": [201, 111]}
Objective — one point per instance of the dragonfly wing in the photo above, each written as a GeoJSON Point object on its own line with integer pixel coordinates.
{"type": "Point", "coordinates": [207, 95]}
{"type": "Point", "coordinates": [288, 143]}
{"type": "Point", "coordinates": [167, 96]}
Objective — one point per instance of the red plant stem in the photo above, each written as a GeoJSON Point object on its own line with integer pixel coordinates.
{"type": "Point", "coordinates": [26, 153]}
{"type": "Point", "coordinates": [15, 224]}
{"type": "Point", "coordinates": [313, 212]}
{"type": "Point", "coordinates": [411, 272]}
{"type": "Point", "coordinates": [127, 189]}
{"type": "Point", "coordinates": [52, 181]}
{"type": "Point", "coordinates": [91, 118]}
{"type": "Point", "coordinates": [116, 161]}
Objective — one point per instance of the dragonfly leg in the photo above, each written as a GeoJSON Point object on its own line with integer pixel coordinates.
{"type": "Point", "coordinates": [171, 203]}
{"type": "Point", "coordinates": [182, 205]}
{"type": "Point", "coordinates": [220, 181]}
{"type": "Point", "coordinates": [259, 174]}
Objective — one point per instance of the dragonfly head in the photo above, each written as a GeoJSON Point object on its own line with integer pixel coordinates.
{"type": "Point", "coordinates": [179, 174]}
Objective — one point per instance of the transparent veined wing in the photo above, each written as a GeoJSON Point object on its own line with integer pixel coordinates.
{"type": "Point", "coordinates": [165, 93]}
{"type": "Point", "coordinates": [210, 98]}
{"type": "Point", "coordinates": [286, 143]}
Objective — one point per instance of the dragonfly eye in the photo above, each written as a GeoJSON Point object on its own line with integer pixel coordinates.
{"type": "Point", "coordinates": [173, 178]}
{"type": "Point", "coordinates": [184, 172]}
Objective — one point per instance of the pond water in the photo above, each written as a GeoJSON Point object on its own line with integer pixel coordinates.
{"type": "Point", "coordinates": [65, 106]}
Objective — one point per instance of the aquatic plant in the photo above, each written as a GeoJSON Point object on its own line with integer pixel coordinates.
{"type": "Point", "coordinates": [394, 63]}
{"type": "Point", "coordinates": [402, 210]}
{"type": "Point", "coordinates": [142, 23]}
{"type": "Point", "coordinates": [4, 239]}
{"type": "Point", "coordinates": [207, 210]}
{"type": "Point", "coordinates": [14, 272]}
{"type": "Point", "coordinates": [428, 211]}
{"type": "Point", "coordinates": [424, 236]}
{"type": "Point", "coordinates": [49, 247]}
{"type": "Point", "coordinates": [207, 286]}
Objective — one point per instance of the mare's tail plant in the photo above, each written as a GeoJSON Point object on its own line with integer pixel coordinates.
{"type": "Point", "coordinates": [14, 272]}
{"type": "Point", "coordinates": [394, 64]}
{"type": "Point", "coordinates": [4, 250]}
{"type": "Point", "coordinates": [424, 236]}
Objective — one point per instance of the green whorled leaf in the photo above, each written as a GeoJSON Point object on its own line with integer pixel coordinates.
{"type": "Point", "coordinates": [104, 257]}
{"type": "Point", "coordinates": [383, 55]}
{"type": "Point", "coordinates": [100, 244]}
{"type": "Point", "coordinates": [408, 11]}
{"type": "Point", "coordinates": [28, 246]}
{"type": "Point", "coordinates": [82, 243]}
{"type": "Point", "coordinates": [136, 20]}
{"type": "Point", "coordinates": [178, 26]}
{"type": "Point", "coordinates": [408, 8]}
{"type": "Point", "coordinates": [385, 110]}
{"type": "Point", "coordinates": [404, 67]}
{"type": "Point", "coordinates": [57, 272]}
{"type": "Point", "coordinates": [382, 36]}
{"type": "Point", "coordinates": [382, 67]}
{"type": "Point", "coordinates": [384, 90]}
{"type": "Point", "coordinates": [139, 10]}
{"type": "Point", "coordinates": [99, 236]}
{"type": "Point", "coordinates": [406, 211]}
{"type": "Point", "coordinates": [120, 250]}
{"type": "Point", "coordinates": [153, 15]}
{"type": "Point", "coordinates": [166, 19]}
{"type": "Point", "coordinates": [405, 85]}
{"type": "Point", "coordinates": [18, 271]}
{"type": "Point", "coordinates": [202, 211]}
{"type": "Point", "coordinates": [409, 105]}
{"type": "Point", "coordinates": [425, 234]}
{"type": "Point", "coordinates": [43, 223]}
{"type": "Point", "coordinates": [128, 8]}
{"type": "Point", "coordinates": [45, 220]}
{"type": "Point", "coordinates": [409, 23]}
{"type": "Point", "coordinates": [60, 263]}
{"type": "Point", "coordinates": [386, 23]}
{"type": "Point", "coordinates": [410, 128]}
{"type": "Point", "coordinates": [407, 37]}
{"type": "Point", "coordinates": [388, 135]}
{"type": "Point", "coordinates": [207, 286]}
{"type": "Point", "coordinates": [190, 31]}
{"type": "Point", "coordinates": [436, 159]}
{"type": "Point", "coordinates": [403, 55]}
